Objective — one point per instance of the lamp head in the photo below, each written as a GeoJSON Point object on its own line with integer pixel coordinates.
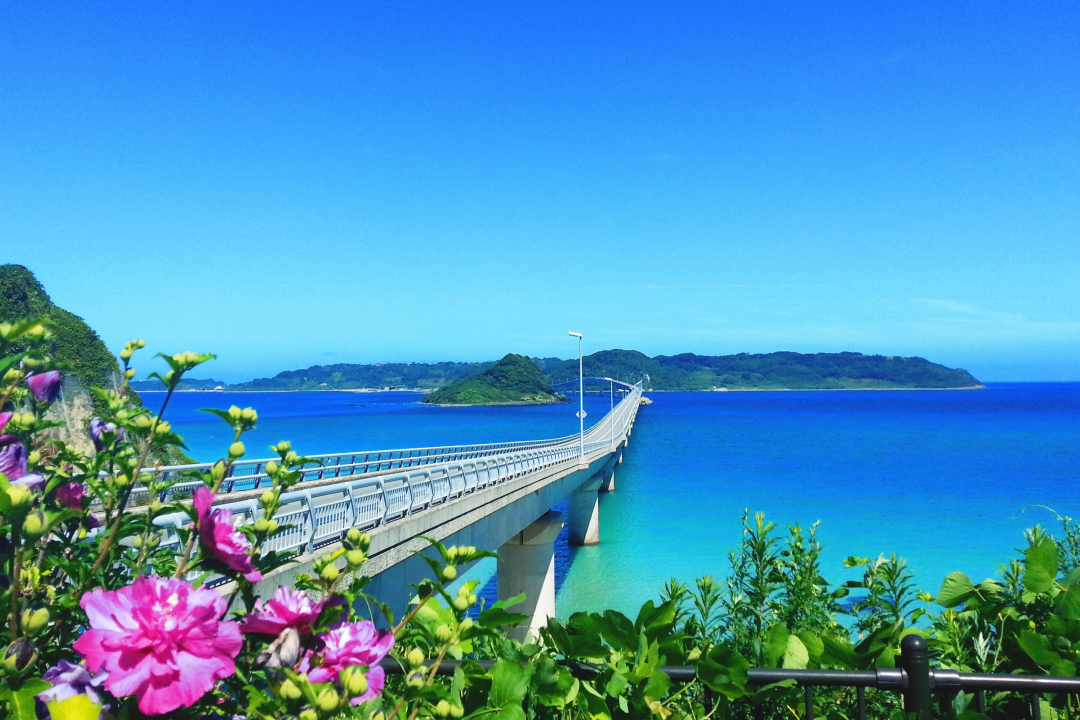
{"type": "Point", "coordinates": [577, 335]}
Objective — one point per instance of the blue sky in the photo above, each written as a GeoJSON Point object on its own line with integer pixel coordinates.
{"type": "Point", "coordinates": [288, 184]}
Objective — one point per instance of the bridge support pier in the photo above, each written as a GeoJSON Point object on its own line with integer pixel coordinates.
{"type": "Point", "coordinates": [584, 512]}
{"type": "Point", "coordinates": [527, 565]}
{"type": "Point", "coordinates": [609, 480]}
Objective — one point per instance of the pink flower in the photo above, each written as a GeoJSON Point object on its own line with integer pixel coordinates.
{"type": "Point", "coordinates": [70, 495]}
{"type": "Point", "coordinates": [221, 537]}
{"type": "Point", "coordinates": [284, 610]}
{"type": "Point", "coordinates": [45, 386]}
{"type": "Point", "coordinates": [160, 640]}
{"type": "Point", "coordinates": [4, 417]}
{"type": "Point", "coordinates": [352, 644]}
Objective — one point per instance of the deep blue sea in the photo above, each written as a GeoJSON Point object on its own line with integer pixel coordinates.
{"type": "Point", "coordinates": [946, 479]}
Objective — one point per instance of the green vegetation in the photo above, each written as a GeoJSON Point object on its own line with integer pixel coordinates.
{"type": "Point", "coordinates": [514, 380]}
{"type": "Point", "coordinates": [345, 376]}
{"type": "Point", "coordinates": [73, 343]}
{"type": "Point", "coordinates": [770, 371]}
{"type": "Point", "coordinates": [185, 385]}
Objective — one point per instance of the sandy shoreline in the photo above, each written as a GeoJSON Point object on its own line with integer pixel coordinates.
{"type": "Point", "coordinates": [715, 390]}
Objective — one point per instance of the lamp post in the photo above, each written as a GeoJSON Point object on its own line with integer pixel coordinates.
{"type": "Point", "coordinates": [581, 396]}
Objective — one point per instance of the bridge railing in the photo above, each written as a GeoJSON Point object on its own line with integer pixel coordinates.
{"type": "Point", "coordinates": [317, 515]}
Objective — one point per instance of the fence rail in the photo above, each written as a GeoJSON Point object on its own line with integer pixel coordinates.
{"type": "Point", "coordinates": [913, 679]}
{"type": "Point", "coordinates": [408, 481]}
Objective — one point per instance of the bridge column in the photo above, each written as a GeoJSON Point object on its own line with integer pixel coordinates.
{"type": "Point", "coordinates": [609, 479]}
{"type": "Point", "coordinates": [527, 565]}
{"type": "Point", "coordinates": [584, 512]}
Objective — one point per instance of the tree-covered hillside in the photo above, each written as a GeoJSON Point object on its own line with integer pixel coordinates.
{"type": "Point", "coordinates": [344, 376]}
{"type": "Point", "coordinates": [514, 380]}
{"type": "Point", "coordinates": [769, 371]}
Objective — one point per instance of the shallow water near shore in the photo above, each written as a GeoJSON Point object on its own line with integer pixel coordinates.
{"type": "Point", "coordinates": [948, 480]}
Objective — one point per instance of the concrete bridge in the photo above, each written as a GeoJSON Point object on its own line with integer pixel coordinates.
{"type": "Point", "coordinates": [496, 496]}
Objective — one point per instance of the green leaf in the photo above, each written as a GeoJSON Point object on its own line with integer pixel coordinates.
{"type": "Point", "coordinates": [838, 652]}
{"type": "Point", "coordinates": [776, 643]}
{"type": "Point", "coordinates": [617, 630]}
{"type": "Point", "coordinates": [1041, 566]}
{"type": "Point", "coordinates": [658, 685]}
{"type": "Point", "coordinates": [1068, 603]}
{"type": "Point", "coordinates": [616, 684]}
{"type": "Point", "coordinates": [21, 701]}
{"type": "Point", "coordinates": [956, 590]}
{"type": "Point", "coordinates": [499, 617]}
{"type": "Point", "coordinates": [725, 671]}
{"type": "Point", "coordinates": [795, 654]}
{"type": "Point", "coordinates": [814, 646]}
{"type": "Point", "coordinates": [509, 683]}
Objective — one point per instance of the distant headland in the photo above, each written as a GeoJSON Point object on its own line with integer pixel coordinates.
{"type": "Point", "coordinates": [661, 373]}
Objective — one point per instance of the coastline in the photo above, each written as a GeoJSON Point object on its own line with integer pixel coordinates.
{"type": "Point", "coordinates": [714, 390]}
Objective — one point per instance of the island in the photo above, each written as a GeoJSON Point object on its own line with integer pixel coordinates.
{"type": "Point", "coordinates": [513, 380]}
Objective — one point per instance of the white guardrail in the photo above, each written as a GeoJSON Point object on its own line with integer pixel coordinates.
{"type": "Point", "coordinates": [317, 516]}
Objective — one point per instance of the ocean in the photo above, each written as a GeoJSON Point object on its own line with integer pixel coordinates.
{"type": "Point", "coordinates": [947, 480]}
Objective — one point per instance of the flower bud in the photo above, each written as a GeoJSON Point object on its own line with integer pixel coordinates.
{"type": "Point", "coordinates": [328, 700]}
{"type": "Point", "coordinates": [465, 624]}
{"type": "Point", "coordinates": [442, 709]}
{"type": "Point", "coordinates": [289, 690]}
{"type": "Point", "coordinates": [355, 558]}
{"type": "Point", "coordinates": [249, 416]}
{"type": "Point", "coordinates": [262, 525]}
{"type": "Point", "coordinates": [269, 497]}
{"type": "Point", "coordinates": [236, 450]}
{"type": "Point", "coordinates": [155, 505]}
{"type": "Point", "coordinates": [234, 413]}
{"type": "Point", "coordinates": [19, 496]}
{"type": "Point", "coordinates": [169, 377]}
{"type": "Point", "coordinates": [34, 620]}
{"type": "Point", "coordinates": [472, 599]}
{"type": "Point", "coordinates": [143, 422]}
{"type": "Point", "coordinates": [449, 573]}
{"type": "Point", "coordinates": [415, 657]}
{"type": "Point", "coordinates": [330, 573]}
{"type": "Point", "coordinates": [271, 468]}
{"type": "Point", "coordinates": [33, 458]}
{"type": "Point", "coordinates": [13, 375]}
{"type": "Point", "coordinates": [425, 588]}
{"type": "Point", "coordinates": [309, 714]}
{"type": "Point", "coordinates": [19, 656]}
{"type": "Point", "coordinates": [122, 481]}
{"type": "Point", "coordinates": [451, 553]}
{"type": "Point", "coordinates": [163, 428]}
{"type": "Point", "coordinates": [694, 655]}
{"type": "Point", "coordinates": [291, 458]}
{"type": "Point", "coordinates": [283, 447]}
{"type": "Point", "coordinates": [136, 542]}
{"type": "Point", "coordinates": [129, 374]}
{"type": "Point", "coordinates": [31, 363]}
{"type": "Point", "coordinates": [35, 525]}
{"type": "Point", "coordinates": [461, 603]}
{"type": "Point", "coordinates": [443, 633]}
{"type": "Point", "coordinates": [126, 354]}
{"type": "Point", "coordinates": [457, 710]}
{"type": "Point", "coordinates": [353, 681]}
{"type": "Point", "coordinates": [217, 472]}
{"type": "Point", "coordinates": [273, 527]}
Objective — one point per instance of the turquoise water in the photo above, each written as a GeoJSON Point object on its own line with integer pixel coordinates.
{"type": "Point", "coordinates": [940, 478]}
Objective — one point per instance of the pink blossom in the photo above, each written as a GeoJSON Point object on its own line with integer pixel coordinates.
{"type": "Point", "coordinates": [70, 495]}
{"type": "Point", "coordinates": [160, 640]}
{"type": "Point", "coordinates": [45, 386]}
{"type": "Point", "coordinates": [221, 537]}
{"type": "Point", "coordinates": [352, 644]}
{"type": "Point", "coordinates": [287, 608]}
{"type": "Point", "coordinates": [4, 417]}
{"type": "Point", "coordinates": [98, 428]}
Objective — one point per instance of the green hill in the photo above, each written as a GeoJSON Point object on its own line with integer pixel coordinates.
{"type": "Point", "coordinates": [514, 380]}
{"type": "Point", "coordinates": [74, 342]}
{"type": "Point", "coordinates": [769, 371]}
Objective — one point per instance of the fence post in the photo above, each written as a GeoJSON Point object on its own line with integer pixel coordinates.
{"type": "Point", "coordinates": [914, 659]}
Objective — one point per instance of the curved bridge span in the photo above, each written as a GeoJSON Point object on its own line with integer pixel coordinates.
{"type": "Point", "coordinates": [496, 496]}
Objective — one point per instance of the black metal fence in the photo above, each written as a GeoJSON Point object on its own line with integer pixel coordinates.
{"type": "Point", "coordinates": [912, 677]}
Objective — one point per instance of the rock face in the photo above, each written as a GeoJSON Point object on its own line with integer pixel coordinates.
{"type": "Point", "coordinates": [514, 380]}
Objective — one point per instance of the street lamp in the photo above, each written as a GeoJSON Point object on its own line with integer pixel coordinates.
{"type": "Point", "coordinates": [581, 396]}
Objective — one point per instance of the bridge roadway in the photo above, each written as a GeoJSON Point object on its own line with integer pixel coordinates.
{"type": "Point", "coordinates": [496, 496]}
